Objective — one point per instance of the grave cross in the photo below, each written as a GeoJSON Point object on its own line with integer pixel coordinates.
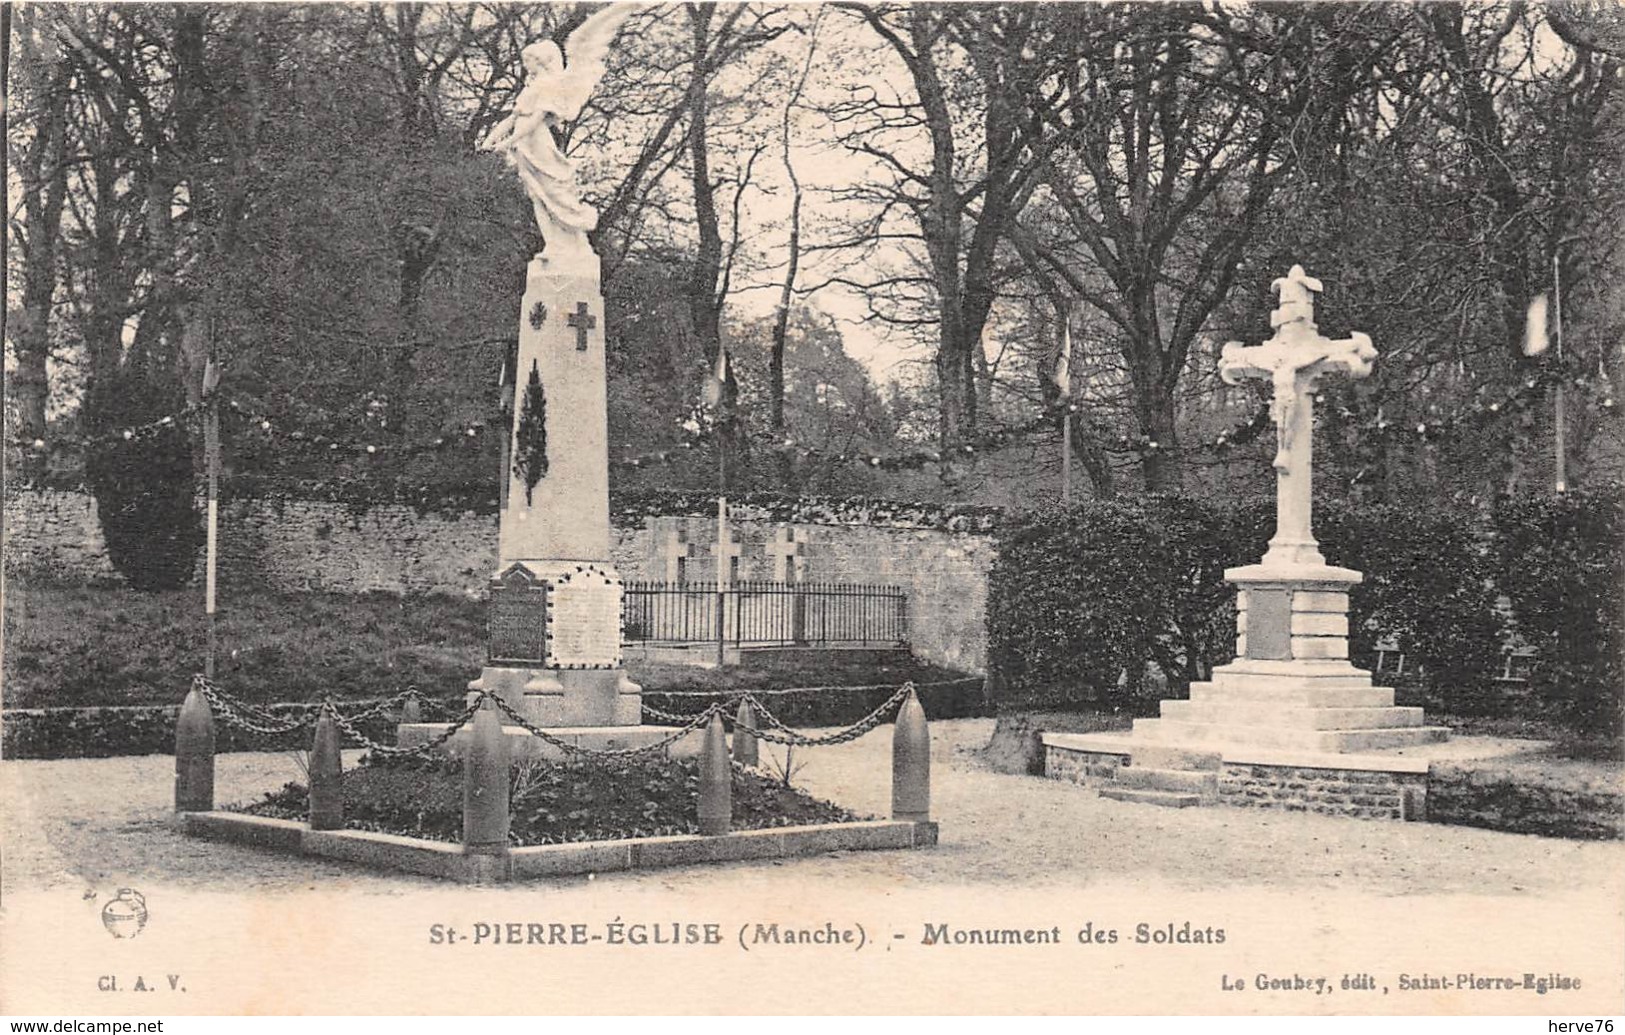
{"type": "Point", "coordinates": [583, 321]}
{"type": "Point", "coordinates": [677, 549]}
{"type": "Point", "coordinates": [785, 549]}
{"type": "Point", "coordinates": [728, 557]}
{"type": "Point", "coordinates": [1294, 360]}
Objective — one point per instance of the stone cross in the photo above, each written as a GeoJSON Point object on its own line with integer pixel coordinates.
{"type": "Point", "coordinates": [785, 548]}
{"type": "Point", "coordinates": [676, 549]}
{"type": "Point", "coordinates": [728, 557]}
{"type": "Point", "coordinates": [1294, 360]}
{"type": "Point", "coordinates": [583, 321]}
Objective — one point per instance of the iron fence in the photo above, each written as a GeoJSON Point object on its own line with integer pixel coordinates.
{"type": "Point", "coordinates": [802, 614]}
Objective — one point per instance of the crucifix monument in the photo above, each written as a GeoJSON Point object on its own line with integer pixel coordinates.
{"type": "Point", "coordinates": [1291, 684]}
{"type": "Point", "coordinates": [555, 599]}
{"type": "Point", "coordinates": [1294, 361]}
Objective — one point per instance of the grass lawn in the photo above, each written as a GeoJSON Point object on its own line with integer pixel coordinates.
{"type": "Point", "coordinates": [72, 646]}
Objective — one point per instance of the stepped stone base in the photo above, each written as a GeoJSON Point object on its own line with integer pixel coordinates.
{"type": "Point", "coordinates": [1298, 704]}
{"type": "Point", "coordinates": [1291, 685]}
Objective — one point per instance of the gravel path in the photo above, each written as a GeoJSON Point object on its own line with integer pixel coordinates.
{"type": "Point", "coordinates": [107, 821]}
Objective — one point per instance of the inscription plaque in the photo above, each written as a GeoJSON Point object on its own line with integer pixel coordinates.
{"type": "Point", "coordinates": [516, 618]}
{"type": "Point", "coordinates": [1269, 624]}
{"type": "Point", "coordinates": [586, 620]}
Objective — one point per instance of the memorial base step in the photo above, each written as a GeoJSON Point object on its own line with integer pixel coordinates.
{"type": "Point", "coordinates": [1288, 694]}
{"type": "Point", "coordinates": [1202, 782]}
{"type": "Point", "coordinates": [1167, 799]}
{"type": "Point", "coordinates": [1162, 756]}
{"type": "Point", "coordinates": [1164, 731]}
{"type": "Point", "coordinates": [1230, 711]}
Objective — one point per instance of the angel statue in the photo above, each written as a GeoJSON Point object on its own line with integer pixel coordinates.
{"type": "Point", "coordinates": [554, 93]}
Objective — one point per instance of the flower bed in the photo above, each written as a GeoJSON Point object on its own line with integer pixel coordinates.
{"type": "Point", "coordinates": [553, 803]}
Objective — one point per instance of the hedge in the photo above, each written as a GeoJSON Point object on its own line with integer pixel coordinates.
{"type": "Point", "coordinates": [962, 699]}
{"type": "Point", "coordinates": [1561, 561]}
{"type": "Point", "coordinates": [150, 729]}
{"type": "Point", "coordinates": [1522, 799]}
{"type": "Point", "coordinates": [1080, 596]}
{"type": "Point", "coordinates": [628, 507]}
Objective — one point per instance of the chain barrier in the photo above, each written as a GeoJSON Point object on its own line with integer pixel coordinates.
{"type": "Point", "coordinates": [254, 719]}
{"type": "Point", "coordinates": [735, 695]}
{"type": "Point", "coordinates": [782, 734]}
{"type": "Point", "coordinates": [419, 750]}
{"type": "Point", "coordinates": [243, 715]}
{"type": "Point", "coordinates": [769, 727]}
{"type": "Point", "coordinates": [694, 722]}
{"type": "Point", "coordinates": [677, 717]}
{"type": "Point", "coordinates": [384, 706]}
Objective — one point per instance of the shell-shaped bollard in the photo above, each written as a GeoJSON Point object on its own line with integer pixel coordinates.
{"type": "Point", "coordinates": [911, 763]}
{"type": "Point", "coordinates": [485, 784]}
{"type": "Point", "coordinates": [326, 776]}
{"type": "Point", "coordinates": [412, 710]}
{"type": "Point", "coordinates": [716, 781]}
{"type": "Point", "coordinates": [746, 750]}
{"type": "Point", "coordinates": [194, 755]}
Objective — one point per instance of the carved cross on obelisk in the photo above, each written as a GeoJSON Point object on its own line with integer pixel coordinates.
{"type": "Point", "coordinates": [1294, 360]}
{"type": "Point", "coordinates": [583, 321]}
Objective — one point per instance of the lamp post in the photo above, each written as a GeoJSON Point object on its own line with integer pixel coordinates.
{"type": "Point", "coordinates": [1559, 436]}
{"type": "Point", "coordinates": [211, 450]}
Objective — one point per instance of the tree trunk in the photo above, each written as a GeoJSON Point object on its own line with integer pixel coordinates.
{"type": "Point", "coordinates": [1155, 409]}
{"type": "Point", "coordinates": [705, 305]}
{"type": "Point", "coordinates": [1162, 470]}
{"type": "Point", "coordinates": [1092, 457]}
{"type": "Point", "coordinates": [955, 394]}
{"type": "Point", "coordinates": [45, 184]}
{"type": "Point", "coordinates": [419, 248]}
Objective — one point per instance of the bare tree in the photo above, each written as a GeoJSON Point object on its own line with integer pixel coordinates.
{"type": "Point", "coordinates": [39, 157]}
{"type": "Point", "coordinates": [954, 163]}
{"type": "Point", "coordinates": [1176, 130]}
{"type": "Point", "coordinates": [792, 264]}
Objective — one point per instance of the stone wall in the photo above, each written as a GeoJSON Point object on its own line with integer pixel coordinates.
{"type": "Point", "coordinates": [1362, 793]}
{"type": "Point", "coordinates": [1342, 792]}
{"type": "Point", "coordinates": [1087, 768]}
{"type": "Point", "coordinates": [298, 544]}
{"type": "Point", "coordinates": [55, 533]}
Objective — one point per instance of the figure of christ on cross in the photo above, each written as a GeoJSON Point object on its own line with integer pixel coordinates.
{"type": "Point", "coordinates": [1294, 360]}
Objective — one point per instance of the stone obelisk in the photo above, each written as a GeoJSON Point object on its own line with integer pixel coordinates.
{"type": "Point", "coordinates": [555, 599]}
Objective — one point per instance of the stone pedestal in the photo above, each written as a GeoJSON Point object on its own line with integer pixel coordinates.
{"type": "Point", "coordinates": [560, 699]}
{"type": "Point", "coordinates": [1291, 685]}
{"type": "Point", "coordinates": [555, 601]}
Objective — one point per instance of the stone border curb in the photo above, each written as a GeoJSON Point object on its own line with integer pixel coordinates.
{"type": "Point", "coordinates": [450, 862]}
